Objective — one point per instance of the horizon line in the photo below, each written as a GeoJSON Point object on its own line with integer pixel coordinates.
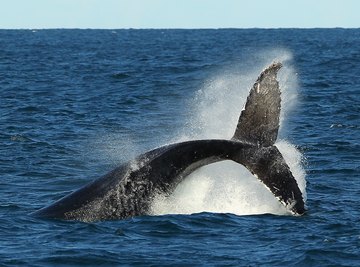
{"type": "Point", "coordinates": [179, 28]}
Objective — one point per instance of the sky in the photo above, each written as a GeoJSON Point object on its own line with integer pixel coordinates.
{"type": "Point", "coordinates": [189, 14]}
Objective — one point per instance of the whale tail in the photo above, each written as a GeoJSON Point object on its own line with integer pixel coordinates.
{"type": "Point", "coordinates": [259, 125]}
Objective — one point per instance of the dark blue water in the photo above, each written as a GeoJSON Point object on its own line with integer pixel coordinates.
{"type": "Point", "coordinates": [75, 103]}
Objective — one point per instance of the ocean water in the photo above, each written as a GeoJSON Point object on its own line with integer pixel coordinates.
{"type": "Point", "coordinates": [76, 103]}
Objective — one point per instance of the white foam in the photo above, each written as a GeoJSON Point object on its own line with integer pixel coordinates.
{"type": "Point", "coordinates": [224, 187]}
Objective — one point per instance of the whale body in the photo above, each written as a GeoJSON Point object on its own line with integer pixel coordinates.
{"type": "Point", "coordinates": [129, 190]}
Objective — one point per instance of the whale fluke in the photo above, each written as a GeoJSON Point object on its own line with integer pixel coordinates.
{"type": "Point", "coordinates": [259, 121]}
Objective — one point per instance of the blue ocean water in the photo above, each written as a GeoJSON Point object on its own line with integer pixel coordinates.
{"type": "Point", "coordinates": [76, 103]}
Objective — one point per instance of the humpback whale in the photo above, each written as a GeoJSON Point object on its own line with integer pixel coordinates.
{"type": "Point", "coordinates": [130, 189]}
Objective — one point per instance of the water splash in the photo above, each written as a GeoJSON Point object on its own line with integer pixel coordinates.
{"type": "Point", "coordinates": [223, 187]}
{"type": "Point", "coordinates": [112, 148]}
{"type": "Point", "coordinates": [227, 187]}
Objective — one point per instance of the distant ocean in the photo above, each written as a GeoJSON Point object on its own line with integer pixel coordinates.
{"type": "Point", "coordinates": [76, 103]}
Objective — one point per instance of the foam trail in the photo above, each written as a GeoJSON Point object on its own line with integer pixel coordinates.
{"type": "Point", "coordinates": [227, 187]}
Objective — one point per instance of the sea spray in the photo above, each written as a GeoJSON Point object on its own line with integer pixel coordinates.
{"type": "Point", "coordinates": [223, 187]}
